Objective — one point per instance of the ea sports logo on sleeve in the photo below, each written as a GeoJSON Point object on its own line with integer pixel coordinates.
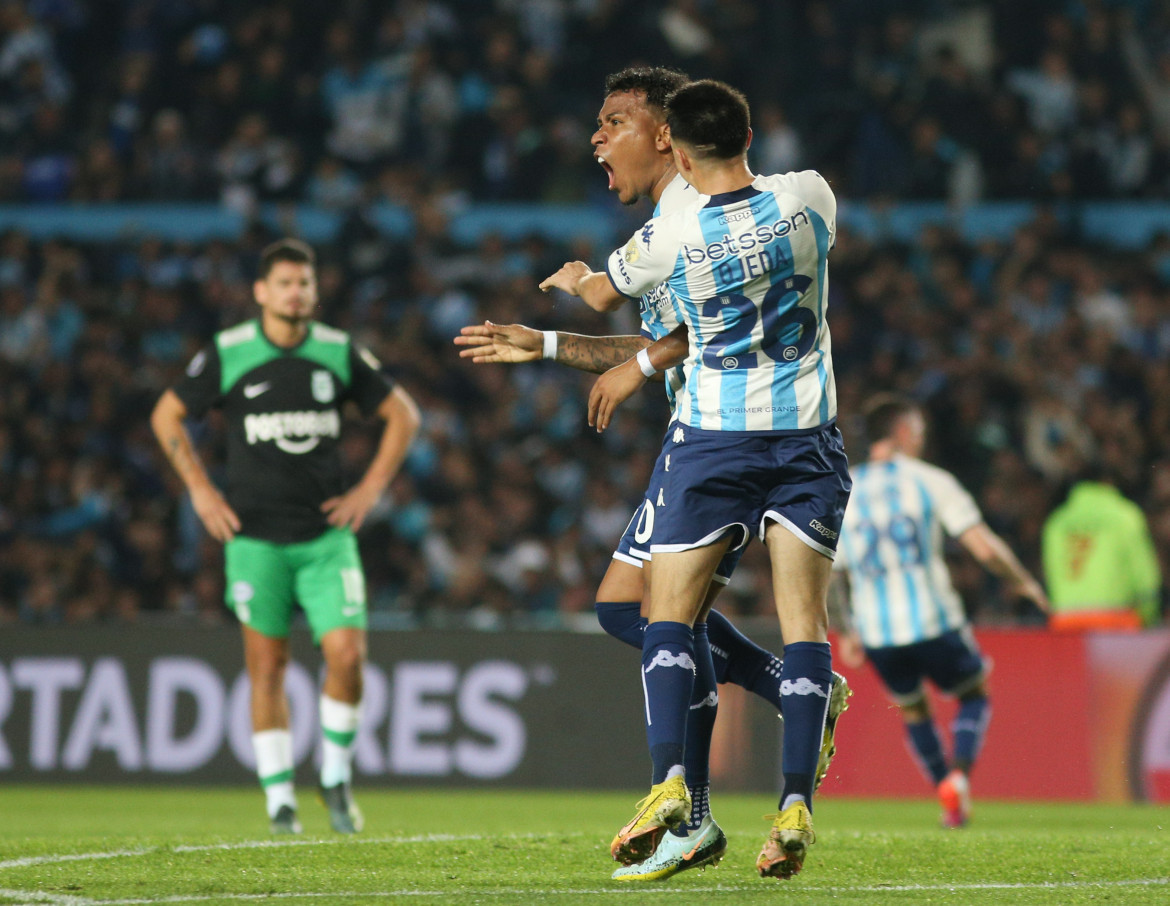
{"type": "Point", "coordinates": [1149, 750]}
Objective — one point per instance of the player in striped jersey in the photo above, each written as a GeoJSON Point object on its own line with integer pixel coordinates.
{"type": "Point", "coordinates": [756, 449]}
{"type": "Point", "coordinates": [907, 615]}
{"type": "Point", "coordinates": [629, 145]}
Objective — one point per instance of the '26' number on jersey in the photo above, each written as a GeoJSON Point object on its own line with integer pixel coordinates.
{"type": "Point", "coordinates": [789, 329]}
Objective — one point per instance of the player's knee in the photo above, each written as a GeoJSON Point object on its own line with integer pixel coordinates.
{"type": "Point", "coordinates": [345, 660]}
{"type": "Point", "coordinates": [974, 694]}
{"type": "Point", "coordinates": [622, 620]}
{"type": "Point", "coordinates": [915, 711]}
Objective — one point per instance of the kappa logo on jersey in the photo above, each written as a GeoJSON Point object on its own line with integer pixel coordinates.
{"type": "Point", "coordinates": [251, 391]}
{"type": "Point", "coordinates": [666, 659]}
{"type": "Point", "coordinates": [322, 386]}
{"type": "Point", "coordinates": [803, 686]}
{"type": "Point", "coordinates": [679, 437]}
{"type": "Point", "coordinates": [292, 432]}
{"type": "Point", "coordinates": [647, 232]}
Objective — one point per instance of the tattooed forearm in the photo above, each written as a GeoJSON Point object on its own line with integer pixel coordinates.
{"type": "Point", "coordinates": [597, 354]}
{"type": "Point", "coordinates": [182, 456]}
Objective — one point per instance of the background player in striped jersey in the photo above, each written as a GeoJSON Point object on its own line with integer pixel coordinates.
{"type": "Point", "coordinates": [288, 521]}
{"type": "Point", "coordinates": [907, 614]}
{"type": "Point", "coordinates": [630, 145]}
{"type": "Point", "coordinates": [755, 447]}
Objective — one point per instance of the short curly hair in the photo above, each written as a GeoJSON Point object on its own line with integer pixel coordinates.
{"type": "Point", "coordinates": [656, 82]}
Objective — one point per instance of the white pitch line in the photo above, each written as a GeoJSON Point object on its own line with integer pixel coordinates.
{"type": "Point", "coordinates": [36, 896]}
{"type": "Point", "coordinates": [26, 861]}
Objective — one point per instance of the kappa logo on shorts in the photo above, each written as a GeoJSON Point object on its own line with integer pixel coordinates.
{"type": "Point", "coordinates": [661, 499]}
{"type": "Point", "coordinates": [242, 592]}
{"type": "Point", "coordinates": [666, 659]}
{"type": "Point", "coordinates": [679, 437]}
{"type": "Point", "coordinates": [667, 469]}
{"type": "Point", "coordinates": [711, 701]}
{"type": "Point", "coordinates": [822, 530]}
{"type": "Point", "coordinates": [803, 686]}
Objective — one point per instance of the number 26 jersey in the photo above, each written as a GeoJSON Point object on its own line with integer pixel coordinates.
{"type": "Point", "coordinates": [748, 272]}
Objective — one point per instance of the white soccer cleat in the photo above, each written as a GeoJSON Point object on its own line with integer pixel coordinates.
{"type": "Point", "coordinates": [702, 847]}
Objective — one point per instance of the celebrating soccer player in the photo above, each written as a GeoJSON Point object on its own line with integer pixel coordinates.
{"type": "Point", "coordinates": [755, 448]}
{"type": "Point", "coordinates": [632, 146]}
{"type": "Point", "coordinates": [287, 521]}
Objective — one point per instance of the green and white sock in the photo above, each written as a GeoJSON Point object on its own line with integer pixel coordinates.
{"type": "Point", "coordinates": [274, 766]}
{"type": "Point", "coordinates": [339, 723]}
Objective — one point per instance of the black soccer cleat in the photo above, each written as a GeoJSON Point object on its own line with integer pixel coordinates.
{"type": "Point", "coordinates": [344, 815]}
{"type": "Point", "coordinates": [285, 821]}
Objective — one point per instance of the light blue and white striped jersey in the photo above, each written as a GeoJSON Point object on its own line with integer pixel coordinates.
{"type": "Point", "coordinates": [892, 546]}
{"type": "Point", "coordinates": [747, 272]}
{"type": "Point", "coordinates": [659, 312]}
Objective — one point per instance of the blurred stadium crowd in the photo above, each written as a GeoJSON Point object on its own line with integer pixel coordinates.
{"type": "Point", "coordinates": [333, 103]}
{"type": "Point", "coordinates": [1036, 353]}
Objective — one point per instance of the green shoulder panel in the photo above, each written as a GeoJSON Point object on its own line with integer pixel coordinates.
{"type": "Point", "coordinates": [328, 347]}
{"type": "Point", "coordinates": [241, 348]}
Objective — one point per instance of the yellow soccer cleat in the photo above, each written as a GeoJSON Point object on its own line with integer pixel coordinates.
{"type": "Point", "coordinates": [788, 842]}
{"type": "Point", "coordinates": [838, 702]}
{"type": "Point", "coordinates": [667, 806]}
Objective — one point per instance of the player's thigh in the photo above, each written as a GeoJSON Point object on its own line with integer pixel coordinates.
{"type": "Point", "coordinates": [623, 581]}
{"type": "Point", "coordinates": [800, 585]}
{"type": "Point", "coordinates": [260, 585]}
{"type": "Point", "coordinates": [330, 583]}
{"type": "Point", "coordinates": [681, 581]}
{"type": "Point", "coordinates": [954, 663]}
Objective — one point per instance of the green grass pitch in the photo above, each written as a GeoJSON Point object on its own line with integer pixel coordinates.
{"type": "Point", "coordinates": [75, 846]}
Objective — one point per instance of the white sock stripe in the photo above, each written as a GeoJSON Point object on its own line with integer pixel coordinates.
{"type": "Point", "coordinates": [338, 716]}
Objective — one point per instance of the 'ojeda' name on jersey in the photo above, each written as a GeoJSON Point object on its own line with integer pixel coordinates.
{"type": "Point", "coordinates": [283, 411]}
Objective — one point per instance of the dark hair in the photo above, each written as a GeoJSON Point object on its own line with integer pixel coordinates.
{"type": "Point", "coordinates": [712, 117]}
{"type": "Point", "coordinates": [883, 412]}
{"type": "Point", "coordinates": [656, 82]}
{"type": "Point", "coordinates": [285, 250]}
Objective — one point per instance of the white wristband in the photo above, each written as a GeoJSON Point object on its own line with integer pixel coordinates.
{"type": "Point", "coordinates": [550, 345]}
{"type": "Point", "coordinates": [645, 364]}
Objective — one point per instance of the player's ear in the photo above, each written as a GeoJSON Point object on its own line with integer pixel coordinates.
{"type": "Point", "coordinates": [749, 141]}
{"type": "Point", "coordinates": [662, 138]}
{"type": "Point", "coordinates": [260, 291]}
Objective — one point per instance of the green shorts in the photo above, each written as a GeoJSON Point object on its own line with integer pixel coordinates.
{"type": "Point", "coordinates": [265, 581]}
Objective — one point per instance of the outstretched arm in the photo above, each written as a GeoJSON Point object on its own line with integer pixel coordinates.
{"type": "Point", "coordinates": [166, 420]}
{"type": "Point", "coordinates": [490, 343]}
{"type": "Point", "coordinates": [994, 554]}
{"type": "Point", "coordinates": [593, 287]}
{"type": "Point", "coordinates": [402, 422]}
{"type": "Point", "coordinates": [618, 384]}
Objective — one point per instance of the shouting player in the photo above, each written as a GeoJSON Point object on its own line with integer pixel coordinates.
{"type": "Point", "coordinates": [632, 146]}
{"type": "Point", "coordinates": [755, 447]}
{"type": "Point", "coordinates": [287, 521]}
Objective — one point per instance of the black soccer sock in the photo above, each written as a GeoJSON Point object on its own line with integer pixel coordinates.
{"type": "Point", "coordinates": [741, 661]}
